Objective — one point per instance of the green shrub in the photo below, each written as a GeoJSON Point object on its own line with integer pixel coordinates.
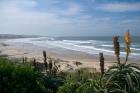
{"type": "Point", "coordinates": [53, 82]}
{"type": "Point", "coordinates": [81, 81]}
{"type": "Point", "coordinates": [124, 77]}
{"type": "Point", "coordinates": [17, 78]}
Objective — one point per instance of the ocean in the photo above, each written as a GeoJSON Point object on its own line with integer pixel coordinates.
{"type": "Point", "coordinates": [90, 45]}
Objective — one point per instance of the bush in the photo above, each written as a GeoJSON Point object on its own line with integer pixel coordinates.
{"type": "Point", "coordinates": [81, 81]}
{"type": "Point", "coordinates": [124, 77]}
{"type": "Point", "coordinates": [17, 78]}
{"type": "Point", "coordinates": [53, 82]}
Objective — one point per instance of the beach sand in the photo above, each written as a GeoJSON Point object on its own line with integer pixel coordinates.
{"type": "Point", "coordinates": [67, 58]}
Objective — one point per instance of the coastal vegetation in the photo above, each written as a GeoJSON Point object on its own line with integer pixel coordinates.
{"type": "Point", "coordinates": [29, 77]}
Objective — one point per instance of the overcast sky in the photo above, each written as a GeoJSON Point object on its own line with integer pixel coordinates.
{"type": "Point", "coordinates": [69, 17]}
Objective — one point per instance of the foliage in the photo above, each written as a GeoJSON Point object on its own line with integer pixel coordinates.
{"type": "Point", "coordinates": [16, 78]}
{"type": "Point", "coordinates": [81, 81]}
{"type": "Point", "coordinates": [53, 82]}
{"type": "Point", "coordinates": [125, 77]}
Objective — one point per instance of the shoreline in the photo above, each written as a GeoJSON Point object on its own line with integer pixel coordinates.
{"type": "Point", "coordinates": [66, 57]}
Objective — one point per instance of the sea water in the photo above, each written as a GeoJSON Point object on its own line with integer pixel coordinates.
{"type": "Point", "coordinates": [89, 44]}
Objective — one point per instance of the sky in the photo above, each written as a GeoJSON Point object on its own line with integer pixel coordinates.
{"type": "Point", "coordinates": [70, 17]}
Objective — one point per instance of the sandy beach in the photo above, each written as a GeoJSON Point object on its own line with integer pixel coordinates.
{"type": "Point", "coordinates": [67, 58]}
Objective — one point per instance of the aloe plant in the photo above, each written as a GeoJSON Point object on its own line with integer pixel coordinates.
{"type": "Point", "coordinates": [124, 77]}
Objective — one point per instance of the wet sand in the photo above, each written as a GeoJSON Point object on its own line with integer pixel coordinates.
{"type": "Point", "coordinates": [67, 57]}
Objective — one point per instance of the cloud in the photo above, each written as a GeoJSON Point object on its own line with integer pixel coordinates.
{"type": "Point", "coordinates": [27, 4]}
{"type": "Point", "coordinates": [56, 18]}
{"type": "Point", "coordinates": [73, 9]}
{"type": "Point", "coordinates": [119, 7]}
{"type": "Point", "coordinates": [15, 19]}
{"type": "Point", "coordinates": [70, 10]}
{"type": "Point", "coordinates": [130, 21]}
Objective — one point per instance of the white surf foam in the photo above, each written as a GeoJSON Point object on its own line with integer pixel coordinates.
{"type": "Point", "coordinates": [72, 45]}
